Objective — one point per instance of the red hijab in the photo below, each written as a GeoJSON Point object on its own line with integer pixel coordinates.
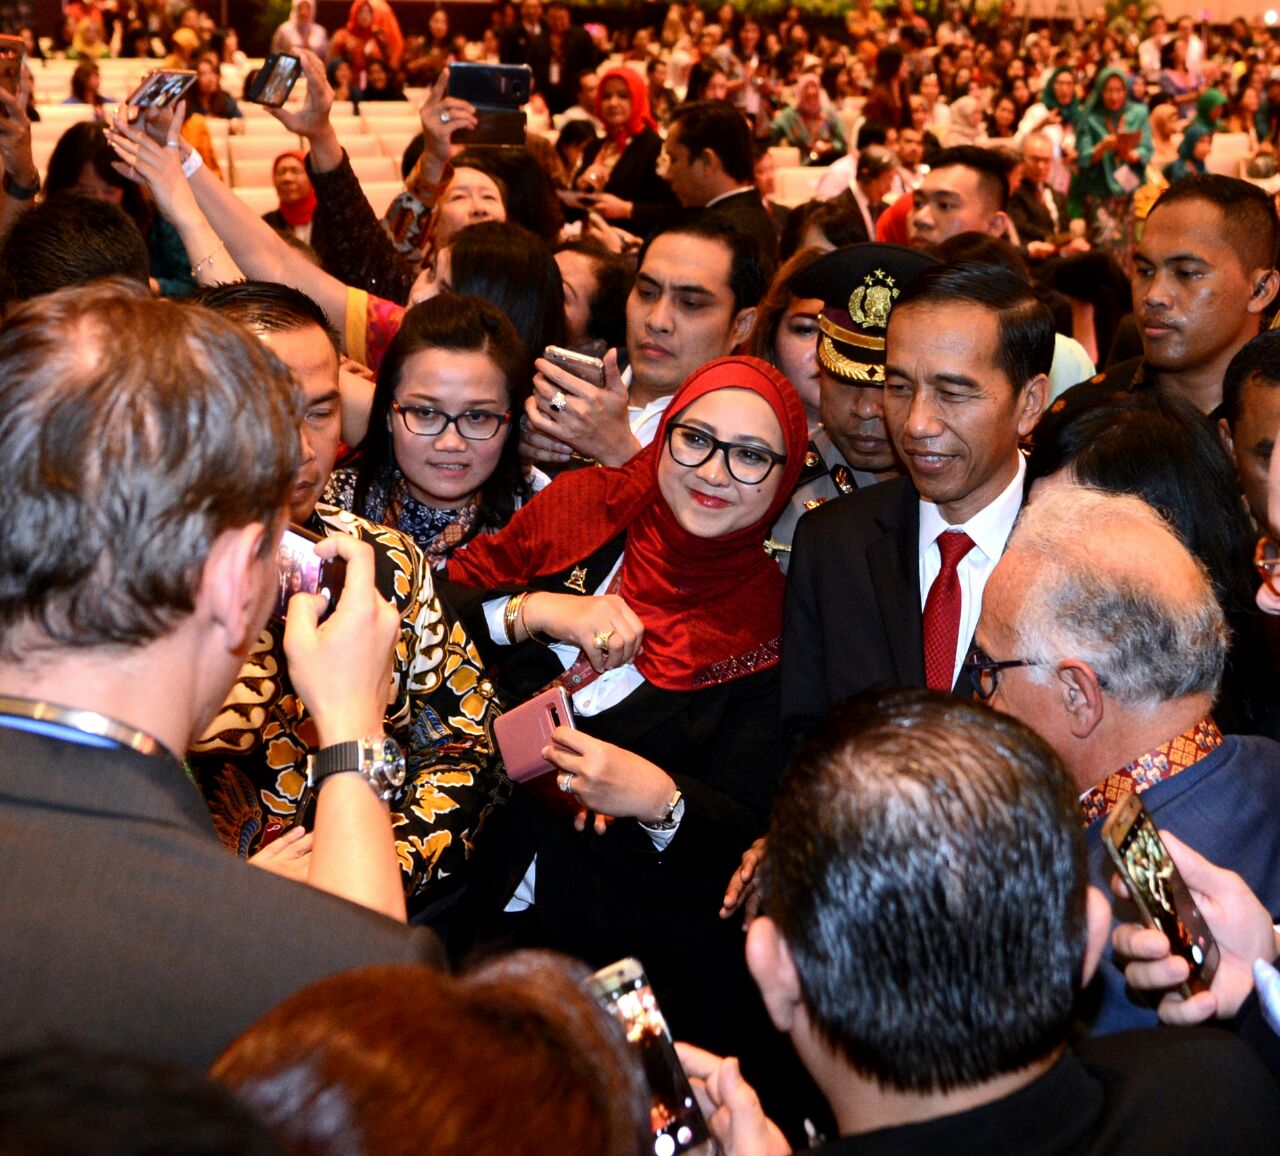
{"type": "Point", "coordinates": [711, 607]}
{"type": "Point", "coordinates": [641, 117]}
{"type": "Point", "coordinates": [298, 212]}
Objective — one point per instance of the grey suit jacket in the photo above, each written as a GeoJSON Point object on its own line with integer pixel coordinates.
{"type": "Point", "coordinates": [127, 924]}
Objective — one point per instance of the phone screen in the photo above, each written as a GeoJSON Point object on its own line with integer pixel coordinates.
{"type": "Point", "coordinates": [506, 85]}
{"type": "Point", "coordinates": [298, 569]}
{"type": "Point", "coordinates": [674, 1115]}
{"type": "Point", "coordinates": [275, 80]}
{"type": "Point", "coordinates": [1151, 872]}
{"type": "Point", "coordinates": [161, 89]}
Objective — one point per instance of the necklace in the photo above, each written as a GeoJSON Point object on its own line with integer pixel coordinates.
{"type": "Point", "coordinates": [47, 716]}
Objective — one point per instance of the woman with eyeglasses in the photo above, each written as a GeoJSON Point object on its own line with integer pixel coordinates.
{"type": "Point", "coordinates": [440, 461]}
{"type": "Point", "coordinates": [646, 593]}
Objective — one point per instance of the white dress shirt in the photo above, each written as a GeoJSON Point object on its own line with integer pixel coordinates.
{"type": "Point", "coordinates": [989, 529]}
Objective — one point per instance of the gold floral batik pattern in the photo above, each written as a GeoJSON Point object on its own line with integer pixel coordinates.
{"type": "Point", "coordinates": [251, 763]}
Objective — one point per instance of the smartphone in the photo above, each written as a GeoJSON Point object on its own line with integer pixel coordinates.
{"type": "Point", "coordinates": [674, 1117]}
{"type": "Point", "coordinates": [1158, 890]}
{"type": "Point", "coordinates": [12, 52]}
{"type": "Point", "coordinates": [274, 81]}
{"type": "Point", "coordinates": [161, 89]}
{"type": "Point", "coordinates": [522, 732]}
{"type": "Point", "coordinates": [298, 569]}
{"type": "Point", "coordinates": [497, 91]}
{"type": "Point", "coordinates": [503, 85]}
{"type": "Point", "coordinates": [589, 369]}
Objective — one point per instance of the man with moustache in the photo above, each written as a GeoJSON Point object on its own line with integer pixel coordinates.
{"type": "Point", "coordinates": [886, 583]}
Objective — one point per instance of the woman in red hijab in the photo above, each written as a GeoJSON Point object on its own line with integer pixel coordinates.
{"type": "Point", "coordinates": [297, 197]}
{"type": "Point", "coordinates": [371, 30]}
{"type": "Point", "coordinates": [621, 169]}
{"type": "Point", "coordinates": [649, 597]}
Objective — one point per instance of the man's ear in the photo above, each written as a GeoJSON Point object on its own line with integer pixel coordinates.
{"type": "Point", "coordinates": [231, 584]}
{"type": "Point", "coordinates": [1097, 919]}
{"type": "Point", "coordinates": [1081, 694]}
{"type": "Point", "coordinates": [1031, 402]}
{"type": "Point", "coordinates": [709, 158]}
{"type": "Point", "coordinates": [1227, 438]}
{"type": "Point", "coordinates": [998, 224]}
{"type": "Point", "coordinates": [771, 966]}
{"type": "Point", "coordinates": [1266, 283]}
{"type": "Point", "coordinates": [742, 325]}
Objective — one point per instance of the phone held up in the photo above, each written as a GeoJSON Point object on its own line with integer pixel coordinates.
{"type": "Point", "coordinates": [1158, 890]}
{"type": "Point", "coordinates": [674, 1116]}
{"type": "Point", "coordinates": [299, 570]}
{"type": "Point", "coordinates": [497, 91]}
{"type": "Point", "coordinates": [589, 369]}
{"type": "Point", "coordinates": [274, 81]}
{"type": "Point", "coordinates": [522, 733]}
{"type": "Point", "coordinates": [162, 88]}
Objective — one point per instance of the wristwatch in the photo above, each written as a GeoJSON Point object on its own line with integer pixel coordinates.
{"type": "Point", "coordinates": [378, 758]}
{"type": "Point", "coordinates": [675, 812]}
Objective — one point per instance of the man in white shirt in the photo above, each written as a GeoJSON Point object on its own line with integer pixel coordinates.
{"type": "Point", "coordinates": [694, 300]}
{"type": "Point", "coordinates": [885, 585]}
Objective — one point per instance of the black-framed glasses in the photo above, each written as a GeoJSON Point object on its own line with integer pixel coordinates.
{"type": "Point", "coordinates": [984, 672]}
{"type": "Point", "coordinates": [1266, 561]}
{"type": "Point", "coordinates": [476, 425]}
{"type": "Point", "coordinates": [748, 464]}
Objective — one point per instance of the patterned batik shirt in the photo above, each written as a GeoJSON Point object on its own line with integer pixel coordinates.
{"type": "Point", "coordinates": [251, 763]}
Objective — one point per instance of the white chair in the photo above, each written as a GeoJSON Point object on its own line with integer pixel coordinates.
{"type": "Point", "coordinates": [375, 169]}
{"type": "Point", "coordinates": [379, 109]}
{"type": "Point", "coordinates": [260, 199]}
{"type": "Point", "coordinates": [796, 185]}
{"type": "Point", "coordinates": [1226, 152]}
{"type": "Point", "coordinates": [362, 146]}
{"type": "Point", "coordinates": [242, 148]}
{"type": "Point", "coordinates": [785, 156]}
{"type": "Point", "coordinates": [248, 174]}
{"type": "Point", "coordinates": [381, 193]}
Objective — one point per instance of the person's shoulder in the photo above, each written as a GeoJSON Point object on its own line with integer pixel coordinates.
{"type": "Point", "coordinates": [1180, 1089]}
{"type": "Point", "coordinates": [402, 570]}
{"type": "Point", "coordinates": [863, 507]}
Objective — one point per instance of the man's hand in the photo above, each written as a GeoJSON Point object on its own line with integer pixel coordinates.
{"type": "Point", "coordinates": [289, 856]}
{"type": "Point", "coordinates": [590, 420]}
{"type": "Point", "coordinates": [312, 120]}
{"type": "Point", "coordinates": [341, 668]}
{"type": "Point", "coordinates": [744, 888]}
{"type": "Point", "coordinates": [1038, 250]}
{"type": "Point", "coordinates": [15, 134]}
{"type": "Point", "coordinates": [441, 116]}
{"type": "Point", "coordinates": [1239, 923]}
{"type": "Point", "coordinates": [730, 1105]}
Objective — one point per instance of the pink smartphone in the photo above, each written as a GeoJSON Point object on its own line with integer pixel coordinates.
{"type": "Point", "coordinates": [523, 732]}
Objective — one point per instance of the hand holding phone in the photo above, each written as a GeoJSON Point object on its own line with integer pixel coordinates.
{"type": "Point", "coordinates": [522, 734]}
{"type": "Point", "coordinates": [1158, 891]}
{"type": "Point", "coordinates": [495, 93]}
{"type": "Point", "coordinates": [274, 80]}
{"type": "Point", "coordinates": [162, 88]}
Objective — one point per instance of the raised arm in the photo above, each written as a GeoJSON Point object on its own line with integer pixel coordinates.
{"type": "Point", "coordinates": [21, 179]}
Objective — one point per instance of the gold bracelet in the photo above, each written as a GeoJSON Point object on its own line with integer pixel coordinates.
{"type": "Point", "coordinates": [198, 267]}
{"type": "Point", "coordinates": [514, 612]}
{"type": "Point", "coordinates": [540, 639]}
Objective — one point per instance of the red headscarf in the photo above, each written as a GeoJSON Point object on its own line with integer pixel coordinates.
{"type": "Point", "coordinates": [711, 607]}
{"type": "Point", "coordinates": [641, 117]}
{"type": "Point", "coordinates": [299, 212]}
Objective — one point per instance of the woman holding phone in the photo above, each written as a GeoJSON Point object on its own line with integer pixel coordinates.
{"type": "Point", "coordinates": [645, 591]}
{"type": "Point", "coordinates": [1114, 141]}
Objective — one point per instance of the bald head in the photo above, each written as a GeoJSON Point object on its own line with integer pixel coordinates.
{"type": "Point", "coordinates": [1103, 578]}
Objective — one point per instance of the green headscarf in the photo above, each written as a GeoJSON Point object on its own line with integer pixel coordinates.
{"type": "Point", "coordinates": [1210, 99]}
{"type": "Point", "coordinates": [1050, 101]}
{"type": "Point", "coordinates": [1094, 104]}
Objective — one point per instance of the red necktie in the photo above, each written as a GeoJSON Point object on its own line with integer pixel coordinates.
{"type": "Point", "coordinates": [942, 612]}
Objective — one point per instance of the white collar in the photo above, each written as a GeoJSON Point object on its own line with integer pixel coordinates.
{"type": "Point", "coordinates": [726, 196]}
{"type": "Point", "coordinates": [989, 527]}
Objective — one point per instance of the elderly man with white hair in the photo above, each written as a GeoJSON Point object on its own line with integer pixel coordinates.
{"type": "Point", "coordinates": [1102, 632]}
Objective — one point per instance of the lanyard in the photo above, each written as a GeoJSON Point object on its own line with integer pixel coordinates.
{"type": "Point", "coordinates": [71, 724]}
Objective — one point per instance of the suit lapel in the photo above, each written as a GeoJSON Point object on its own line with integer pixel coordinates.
{"type": "Point", "coordinates": [894, 567]}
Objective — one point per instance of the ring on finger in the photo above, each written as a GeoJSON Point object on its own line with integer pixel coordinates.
{"type": "Point", "coordinates": [171, 144]}
{"type": "Point", "coordinates": [602, 640]}
{"type": "Point", "coordinates": [446, 116]}
{"type": "Point", "coordinates": [564, 780]}
{"type": "Point", "coordinates": [559, 401]}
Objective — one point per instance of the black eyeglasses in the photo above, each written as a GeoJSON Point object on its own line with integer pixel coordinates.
{"type": "Point", "coordinates": [476, 425]}
{"type": "Point", "coordinates": [748, 464]}
{"type": "Point", "coordinates": [984, 672]}
{"type": "Point", "coordinates": [1266, 561]}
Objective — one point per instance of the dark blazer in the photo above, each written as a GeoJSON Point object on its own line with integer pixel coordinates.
{"type": "Point", "coordinates": [579, 55]}
{"type": "Point", "coordinates": [514, 43]}
{"type": "Point", "coordinates": [852, 616]}
{"type": "Point", "coordinates": [1033, 221]}
{"type": "Point", "coordinates": [635, 178]}
{"type": "Point", "coordinates": [747, 211]}
{"type": "Point", "coordinates": [127, 924]}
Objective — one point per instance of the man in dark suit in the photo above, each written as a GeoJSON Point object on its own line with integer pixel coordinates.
{"type": "Point", "coordinates": [927, 924]}
{"type": "Point", "coordinates": [515, 42]}
{"type": "Point", "coordinates": [1113, 644]}
{"type": "Point", "coordinates": [558, 56]}
{"type": "Point", "coordinates": [1037, 209]}
{"type": "Point", "coordinates": [967, 353]}
{"type": "Point", "coordinates": [140, 569]}
{"type": "Point", "coordinates": [707, 162]}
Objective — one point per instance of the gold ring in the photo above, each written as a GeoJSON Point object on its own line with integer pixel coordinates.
{"type": "Point", "coordinates": [602, 640]}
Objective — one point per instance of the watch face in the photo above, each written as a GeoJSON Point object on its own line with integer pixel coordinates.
{"type": "Point", "coordinates": [393, 766]}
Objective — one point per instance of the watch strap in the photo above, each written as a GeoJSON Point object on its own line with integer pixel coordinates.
{"type": "Point", "coordinates": [20, 192]}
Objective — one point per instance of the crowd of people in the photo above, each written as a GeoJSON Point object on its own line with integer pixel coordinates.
{"type": "Point", "coordinates": [684, 559]}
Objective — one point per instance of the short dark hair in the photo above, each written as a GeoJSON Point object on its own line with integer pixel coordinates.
{"type": "Point", "coordinates": [715, 125]}
{"type": "Point", "coordinates": [992, 170]}
{"type": "Point", "coordinates": [1249, 220]}
{"type": "Point", "coordinates": [459, 324]}
{"type": "Point", "coordinates": [519, 1031]}
{"type": "Point", "coordinates": [985, 250]}
{"type": "Point", "coordinates": [926, 868]}
{"type": "Point", "coordinates": [266, 307]}
{"type": "Point", "coordinates": [1027, 338]}
{"type": "Point", "coordinates": [70, 240]}
{"type": "Point", "coordinates": [872, 132]}
{"type": "Point", "coordinates": [839, 220]}
{"type": "Point", "coordinates": [1258, 359]}
{"type": "Point", "coordinates": [134, 431]}
{"type": "Point", "coordinates": [68, 1098]}
{"type": "Point", "coordinates": [748, 272]}
{"type": "Point", "coordinates": [607, 309]}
